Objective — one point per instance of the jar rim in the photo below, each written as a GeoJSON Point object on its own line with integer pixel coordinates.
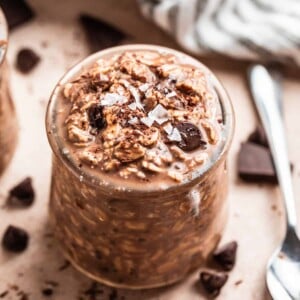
{"type": "Point", "coordinates": [195, 175]}
{"type": "Point", "coordinates": [3, 36]}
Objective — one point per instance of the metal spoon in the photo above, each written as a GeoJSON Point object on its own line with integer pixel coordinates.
{"type": "Point", "coordinates": [283, 271]}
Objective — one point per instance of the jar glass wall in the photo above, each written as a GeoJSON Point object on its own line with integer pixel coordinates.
{"type": "Point", "coordinates": [8, 120]}
{"type": "Point", "coordinates": [137, 238]}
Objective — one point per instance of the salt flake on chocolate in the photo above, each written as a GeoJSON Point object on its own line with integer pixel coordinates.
{"type": "Point", "coordinates": [175, 136]}
{"type": "Point", "coordinates": [159, 114]}
{"type": "Point", "coordinates": [168, 128]}
{"type": "Point", "coordinates": [110, 99]}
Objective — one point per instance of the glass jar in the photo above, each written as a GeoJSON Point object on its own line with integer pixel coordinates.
{"type": "Point", "coordinates": [8, 120]}
{"type": "Point", "coordinates": [137, 238]}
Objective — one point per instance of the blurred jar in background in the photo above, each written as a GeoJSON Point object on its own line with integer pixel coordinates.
{"type": "Point", "coordinates": [8, 121]}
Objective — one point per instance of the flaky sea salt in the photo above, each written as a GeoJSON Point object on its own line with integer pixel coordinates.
{"type": "Point", "coordinates": [147, 121]}
{"type": "Point", "coordinates": [136, 95]}
{"type": "Point", "coordinates": [159, 114]}
{"type": "Point", "coordinates": [175, 136]}
{"type": "Point", "coordinates": [133, 121]}
{"type": "Point", "coordinates": [144, 87]}
{"type": "Point", "coordinates": [172, 94]}
{"type": "Point", "coordinates": [168, 128]}
{"type": "Point", "coordinates": [132, 106]}
{"type": "Point", "coordinates": [110, 99]}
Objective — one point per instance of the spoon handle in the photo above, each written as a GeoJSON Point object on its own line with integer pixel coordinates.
{"type": "Point", "coordinates": [265, 98]}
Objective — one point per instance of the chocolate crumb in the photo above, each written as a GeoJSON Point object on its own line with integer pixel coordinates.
{"type": "Point", "coordinates": [99, 34]}
{"type": "Point", "coordinates": [4, 294]}
{"type": "Point", "coordinates": [93, 291]}
{"type": "Point", "coordinates": [15, 239]}
{"type": "Point", "coordinates": [64, 266]}
{"type": "Point", "coordinates": [226, 255]}
{"type": "Point", "coordinates": [17, 12]}
{"type": "Point", "coordinates": [213, 282]}
{"type": "Point", "coordinates": [113, 295]}
{"type": "Point", "coordinates": [47, 292]}
{"type": "Point", "coordinates": [238, 282]}
{"type": "Point", "coordinates": [26, 60]}
{"type": "Point", "coordinates": [191, 137]}
{"type": "Point", "coordinates": [22, 194]}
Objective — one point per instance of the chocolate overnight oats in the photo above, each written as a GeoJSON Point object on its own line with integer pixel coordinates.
{"type": "Point", "coordinates": [8, 121]}
{"type": "Point", "coordinates": [140, 136]}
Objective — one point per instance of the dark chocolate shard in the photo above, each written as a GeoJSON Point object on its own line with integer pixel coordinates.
{"type": "Point", "coordinates": [191, 137]}
{"type": "Point", "coordinates": [96, 118]}
{"type": "Point", "coordinates": [213, 282]}
{"type": "Point", "coordinates": [17, 12]}
{"type": "Point", "coordinates": [99, 34]}
{"type": "Point", "coordinates": [15, 239]}
{"type": "Point", "coordinates": [255, 164]}
{"type": "Point", "coordinates": [26, 60]}
{"type": "Point", "coordinates": [22, 194]}
{"type": "Point", "coordinates": [225, 256]}
{"type": "Point", "coordinates": [258, 136]}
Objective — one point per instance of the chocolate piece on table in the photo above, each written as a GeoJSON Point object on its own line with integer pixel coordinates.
{"type": "Point", "coordinates": [17, 12]}
{"type": "Point", "coordinates": [191, 137]}
{"type": "Point", "coordinates": [27, 59]}
{"type": "Point", "coordinates": [15, 239]}
{"type": "Point", "coordinates": [22, 194]}
{"type": "Point", "coordinates": [99, 34]}
{"type": "Point", "coordinates": [259, 136]}
{"type": "Point", "coordinates": [47, 292]}
{"type": "Point", "coordinates": [255, 164]}
{"type": "Point", "coordinates": [213, 282]}
{"type": "Point", "coordinates": [225, 255]}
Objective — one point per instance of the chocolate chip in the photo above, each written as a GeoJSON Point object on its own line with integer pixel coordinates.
{"type": "Point", "coordinates": [15, 239]}
{"type": "Point", "coordinates": [259, 137]}
{"type": "Point", "coordinates": [191, 137]}
{"type": "Point", "coordinates": [16, 12]}
{"type": "Point", "coordinates": [27, 59]}
{"type": "Point", "coordinates": [255, 164]}
{"type": "Point", "coordinates": [113, 295]}
{"type": "Point", "coordinates": [99, 34]}
{"type": "Point", "coordinates": [96, 116]}
{"type": "Point", "coordinates": [22, 194]}
{"type": "Point", "coordinates": [213, 282]}
{"type": "Point", "coordinates": [47, 292]}
{"type": "Point", "coordinates": [226, 255]}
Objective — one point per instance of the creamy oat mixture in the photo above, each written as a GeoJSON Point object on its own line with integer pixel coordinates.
{"type": "Point", "coordinates": [142, 115]}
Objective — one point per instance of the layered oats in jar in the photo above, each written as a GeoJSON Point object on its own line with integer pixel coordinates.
{"type": "Point", "coordinates": [140, 135]}
{"type": "Point", "coordinates": [8, 121]}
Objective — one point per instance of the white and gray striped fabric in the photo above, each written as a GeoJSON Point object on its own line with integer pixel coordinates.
{"type": "Point", "coordinates": [243, 29]}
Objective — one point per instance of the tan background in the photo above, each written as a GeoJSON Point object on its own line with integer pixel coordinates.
{"type": "Point", "coordinates": [256, 219]}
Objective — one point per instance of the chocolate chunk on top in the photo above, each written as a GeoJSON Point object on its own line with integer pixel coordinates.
{"type": "Point", "coordinates": [15, 239]}
{"type": "Point", "coordinates": [22, 194]}
{"type": "Point", "coordinates": [96, 118]}
{"type": "Point", "coordinates": [213, 282]}
{"type": "Point", "coordinates": [27, 59]}
{"type": "Point", "coordinates": [191, 137]}
{"type": "Point", "coordinates": [16, 12]}
{"type": "Point", "coordinates": [226, 255]}
{"type": "Point", "coordinates": [255, 164]}
{"type": "Point", "coordinates": [100, 35]}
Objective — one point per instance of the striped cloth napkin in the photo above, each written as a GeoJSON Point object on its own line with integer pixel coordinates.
{"type": "Point", "coordinates": [242, 29]}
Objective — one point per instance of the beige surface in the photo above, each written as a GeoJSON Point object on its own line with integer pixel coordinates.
{"type": "Point", "coordinates": [253, 222]}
